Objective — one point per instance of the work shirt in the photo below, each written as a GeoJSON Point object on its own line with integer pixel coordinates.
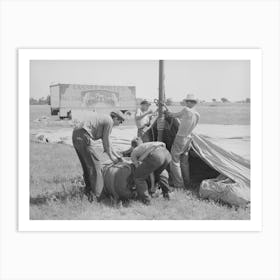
{"type": "Point", "coordinates": [143, 150]}
{"type": "Point", "coordinates": [189, 119]}
{"type": "Point", "coordinates": [145, 121]}
{"type": "Point", "coordinates": [98, 126]}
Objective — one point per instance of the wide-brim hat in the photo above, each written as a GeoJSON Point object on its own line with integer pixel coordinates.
{"type": "Point", "coordinates": [118, 114]}
{"type": "Point", "coordinates": [145, 102]}
{"type": "Point", "coordinates": [191, 97]}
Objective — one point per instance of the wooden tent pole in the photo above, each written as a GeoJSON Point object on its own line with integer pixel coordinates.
{"type": "Point", "coordinates": [161, 99]}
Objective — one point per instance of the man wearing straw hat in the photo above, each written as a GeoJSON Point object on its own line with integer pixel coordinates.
{"type": "Point", "coordinates": [189, 118]}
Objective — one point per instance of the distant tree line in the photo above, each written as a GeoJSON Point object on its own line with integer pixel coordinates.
{"type": "Point", "coordinates": [40, 101]}
{"type": "Point", "coordinates": [225, 100]}
{"type": "Point", "coordinates": [170, 101]}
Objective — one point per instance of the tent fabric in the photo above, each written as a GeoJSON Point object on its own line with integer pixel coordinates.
{"type": "Point", "coordinates": [227, 163]}
{"type": "Point", "coordinates": [119, 181]}
{"type": "Point", "coordinates": [225, 190]}
{"type": "Point", "coordinates": [116, 181]}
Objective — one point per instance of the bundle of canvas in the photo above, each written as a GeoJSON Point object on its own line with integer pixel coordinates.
{"type": "Point", "coordinates": [225, 190]}
{"type": "Point", "coordinates": [118, 181]}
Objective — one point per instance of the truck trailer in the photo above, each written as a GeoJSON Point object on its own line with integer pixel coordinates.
{"type": "Point", "coordinates": [64, 98]}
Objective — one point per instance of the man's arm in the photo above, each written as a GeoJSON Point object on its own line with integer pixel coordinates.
{"type": "Point", "coordinates": [106, 141]}
{"type": "Point", "coordinates": [127, 153]}
{"type": "Point", "coordinates": [117, 155]}
{"type": "Point", "coordinates": [134, 156]}
{"type": "Point", "coordinates": [139, 117]}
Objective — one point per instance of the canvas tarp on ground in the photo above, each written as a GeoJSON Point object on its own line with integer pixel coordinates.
{"type": "Point", "coordinates": [207, 161]}
{"type": "Point", "coordinates": [226, 163]}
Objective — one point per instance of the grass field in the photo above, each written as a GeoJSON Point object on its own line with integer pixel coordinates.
{"type": "Point", "coordinates": [210, 113]}
{"type": "Point", "coordinates": [221, 113]}
{"type": "Point", "coordinates": [55, 180]}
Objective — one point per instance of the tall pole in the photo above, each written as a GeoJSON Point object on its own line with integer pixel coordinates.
{"type": "Point", "coordinates": [161, 98]}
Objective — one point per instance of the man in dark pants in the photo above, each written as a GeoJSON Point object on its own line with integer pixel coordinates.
{"type": "Point", "coordinates": [151, 157]}
{"type": "Point", "coordinates": [93, 126]}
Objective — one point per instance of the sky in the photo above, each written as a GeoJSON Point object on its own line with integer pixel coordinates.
{"type": "Point", "coordinates": [207, 79]}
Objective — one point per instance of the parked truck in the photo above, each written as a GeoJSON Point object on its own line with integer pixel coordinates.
{"type": "Point", "coordinates": [64, 98]}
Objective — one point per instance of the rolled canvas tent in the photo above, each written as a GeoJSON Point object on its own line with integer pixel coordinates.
{"type": "Point", "coordinates": [220, 174]}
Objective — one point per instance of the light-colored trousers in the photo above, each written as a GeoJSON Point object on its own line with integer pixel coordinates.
{"type": "Point", "coordinates": [180, 146]}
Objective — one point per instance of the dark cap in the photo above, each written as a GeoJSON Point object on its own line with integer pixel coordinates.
{"type": "Point", "coordinates": [136, 142]}
{"type": "Point", "coordinates": [118, 114]}
{"type": "Point", "coordinates": [145, 102]}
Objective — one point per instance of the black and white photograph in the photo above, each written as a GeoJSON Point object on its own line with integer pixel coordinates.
{"type": "Point", "coordinates": [140, 139]}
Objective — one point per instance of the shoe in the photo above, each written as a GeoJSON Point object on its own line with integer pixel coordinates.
{"type": "Point", "coordinates": [155, 194]}
{"type": "Point", "coordinates": [166, 196]}
{"type": "Point", "coordinates": [146, 201]}
{"type": "Point", "coordinates": [89, 195]}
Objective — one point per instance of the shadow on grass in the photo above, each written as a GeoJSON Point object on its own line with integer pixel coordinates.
{"type": "Point", "coordinates": [76, 192]}
{"type": "Point", "coordinates": [72, 191]}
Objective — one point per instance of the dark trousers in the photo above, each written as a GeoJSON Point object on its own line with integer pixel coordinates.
{"type": "Point", "coordinates": [156, 162]}
{"type": "Point", "coordinates": [90, 161]}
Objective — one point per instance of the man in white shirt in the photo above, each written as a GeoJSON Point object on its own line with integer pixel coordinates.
{"type": "Point", "coordinates": [143, 117]}
{"type": "Point", "coordinates": [150, 157]}
{"type": "Point", "coordinates": [189, 118]}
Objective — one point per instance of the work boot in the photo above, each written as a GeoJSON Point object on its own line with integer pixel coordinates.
{"type": "Point", "coordinates": [166, 196]}
{"type": "Point", "coordinates": [89, 195]}
{"type": "Point", "coordinates": [146, 201]}
{"type": "Point", "coordinates": [156, 194]}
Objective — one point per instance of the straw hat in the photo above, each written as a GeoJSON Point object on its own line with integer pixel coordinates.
{"type": "Point", "coordinates": [191, 97]}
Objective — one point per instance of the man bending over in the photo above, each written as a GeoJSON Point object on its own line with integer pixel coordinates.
{"type": "Point", "coordinates": [93, 126]}
{"type": "Point", "coordinates": [150, 157]}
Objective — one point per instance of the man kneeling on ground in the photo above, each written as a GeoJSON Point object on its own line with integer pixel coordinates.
{"type": "Point", "coordinates": [150, 157]}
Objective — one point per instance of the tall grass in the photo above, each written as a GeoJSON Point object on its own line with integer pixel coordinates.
{"type": "Point", "coordinates": [56, 193]}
